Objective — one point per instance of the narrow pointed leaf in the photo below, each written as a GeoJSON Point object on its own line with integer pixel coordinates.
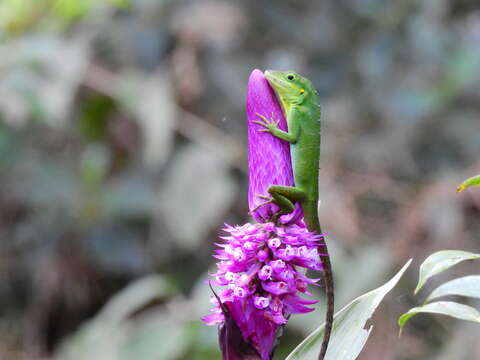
{"type": "Point", "coordinates": [473, 181]}
{"type": "Point", "coordinates": [450, 308]}
{"type": "Point", "coordinates": [441, 261]}
{"type": "Point", "coordinates": [464, 286]}
{"type": "Point", "coordinates": [349, 334]}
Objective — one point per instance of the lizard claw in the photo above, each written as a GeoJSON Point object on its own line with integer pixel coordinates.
{"type": "Point", "coordinates": [264, 197]}
{"type": "Point", "coordinates": [261, 117]}
{"type": "Point", "coordinates": [260, 205]}
{"type": "Point", "coordinates": [269, 201]}
{"type": "Point", "coordinates": [260, 123]}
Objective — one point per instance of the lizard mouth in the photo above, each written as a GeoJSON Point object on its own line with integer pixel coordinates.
{"type": "Point", "coordinates": [279, 86]}
{"type": "Point", "coordinates": [276, 81]}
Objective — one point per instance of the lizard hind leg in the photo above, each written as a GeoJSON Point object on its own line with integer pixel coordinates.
{"type": "Point", "coordinates": [285, 197]}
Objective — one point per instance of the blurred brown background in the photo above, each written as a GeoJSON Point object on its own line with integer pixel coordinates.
{"type": "Point", "coordinates": [122, 153]}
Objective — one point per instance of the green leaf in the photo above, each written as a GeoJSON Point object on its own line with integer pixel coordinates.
{"type": "Point", "coordinates": [348, 334]}
{"type": "Point", "coordinates": [441, 261]}
{"type": "Point", "coordinates": [450, 308]}
{"type": "Point", "coordinates": [464, 286]}
{"type": "Point", "coordinates": [473, 181]}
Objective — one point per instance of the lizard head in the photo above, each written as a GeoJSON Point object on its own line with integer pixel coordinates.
{"type": "Point", "coordinates": [291, 88]}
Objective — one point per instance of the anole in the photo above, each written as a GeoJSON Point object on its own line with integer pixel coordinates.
{"type": "Point", "coordinates": [301, 105]}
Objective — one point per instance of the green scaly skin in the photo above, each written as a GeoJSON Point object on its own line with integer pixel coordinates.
{"type": "Point", "coordinates": [301, 105]}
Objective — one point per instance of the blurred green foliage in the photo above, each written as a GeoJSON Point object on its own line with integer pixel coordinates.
{"type": "Point", "coordinates": [18, 16]}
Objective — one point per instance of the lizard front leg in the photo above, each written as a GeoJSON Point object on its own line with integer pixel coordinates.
{"type": "Point", "coordinates": [271, 126]}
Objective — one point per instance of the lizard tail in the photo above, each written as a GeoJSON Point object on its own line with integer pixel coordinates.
{"type": "Point", "coordinates": [313, 224]}
{"type": "Point", "coordinates": [328, 282]}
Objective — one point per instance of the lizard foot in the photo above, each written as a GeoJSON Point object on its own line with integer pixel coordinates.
{"type": "Point", "coordinates": [269, 201]}
{"type": "Point", "coordinates": [270, 125]}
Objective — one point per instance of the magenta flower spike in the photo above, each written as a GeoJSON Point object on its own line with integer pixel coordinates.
{"type": "Point", "coordinates": [257, 266]}
{"type": "Point", "coordinates": [257, 269]}
{"type": "Point", "coordinates": [269, 161]}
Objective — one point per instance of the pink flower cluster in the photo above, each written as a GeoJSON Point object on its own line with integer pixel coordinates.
{"type": "Point", "coordinates": [258, 269]}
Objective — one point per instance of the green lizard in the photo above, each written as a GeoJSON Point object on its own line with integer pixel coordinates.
{"type": "Point", "coordinates": [301, 105]}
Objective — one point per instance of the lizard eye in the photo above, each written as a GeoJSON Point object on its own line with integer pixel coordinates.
{"type": "Point", "coordinates": [290, 77]}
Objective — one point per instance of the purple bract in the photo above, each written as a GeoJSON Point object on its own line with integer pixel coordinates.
{"type": "Point", "coordinates": [269, 161]}
{"type": "Point", "coordinates": [258, 269]}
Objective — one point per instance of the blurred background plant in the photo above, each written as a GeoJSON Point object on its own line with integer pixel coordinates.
{"type": "Point", "coordinates": [122, 151]}
{"type": "Point", "coordinates": [467, 286]}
